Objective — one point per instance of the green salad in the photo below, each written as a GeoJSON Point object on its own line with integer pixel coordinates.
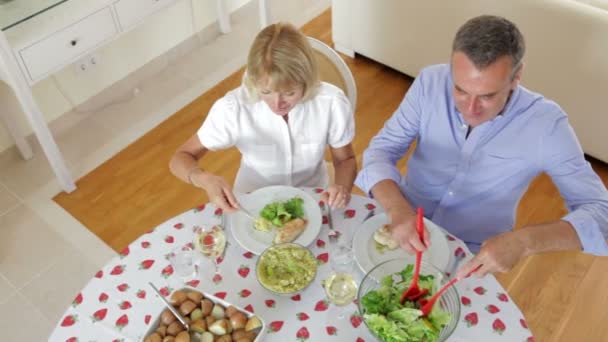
{"type": "Point", "coordinates": [393, 322]}
{"type": "Point", "coordinates": [279, 213]}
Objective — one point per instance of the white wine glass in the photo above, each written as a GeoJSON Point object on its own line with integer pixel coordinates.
{"type": "Point", "coordinates": [341, 286]}
{"type": "Point", "coordinates": [212, 244]}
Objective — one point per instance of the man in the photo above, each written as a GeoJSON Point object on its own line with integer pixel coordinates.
{"type": "Point", "coordinates": [481, 138]}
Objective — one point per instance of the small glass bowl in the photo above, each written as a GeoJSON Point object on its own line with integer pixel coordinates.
{"type": "Point", "coordinates": [449, 300]}
{"type": "Point", "coordinates": [293, 290]}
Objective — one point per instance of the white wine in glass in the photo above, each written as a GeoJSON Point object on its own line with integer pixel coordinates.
{"type": "Point", "coordinates": [212, 243]}
{"type": "Point", "coordinates": [341, 290]}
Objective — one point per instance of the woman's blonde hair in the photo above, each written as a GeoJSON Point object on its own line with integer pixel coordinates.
{"type": "Point", "coordinates": [281, 53]}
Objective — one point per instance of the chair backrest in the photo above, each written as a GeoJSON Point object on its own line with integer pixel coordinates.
{"type": "Point", "coordinates": [333, 69]}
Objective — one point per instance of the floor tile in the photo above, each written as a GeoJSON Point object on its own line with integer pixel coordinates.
{"type": "Point", "coordinates": [28, 246]}
{"type": "Point", "coordinates": [7, 200]}
{"type": "Point", "coordinates": [6, 289]}
{"type": "Point", "coordinates": [20, 320]}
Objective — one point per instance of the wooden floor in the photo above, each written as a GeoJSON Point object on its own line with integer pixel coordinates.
{"type": "Point", "coordinates": [564, 296]}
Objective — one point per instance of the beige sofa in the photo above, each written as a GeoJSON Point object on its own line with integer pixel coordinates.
{"type": "Point", "coordinates": [567, 47]}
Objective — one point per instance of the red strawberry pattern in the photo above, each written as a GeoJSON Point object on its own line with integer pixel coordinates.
{"type": "Point", "coordinates": [99, 315]}
{"type": "Point", "coordinates": [321, 205]}
{"type": "Point", "coordinates": [324, 220]}
{"type": "Point", "coordinates": [322, 258]}
{"type": "Point", "coordinates": [523, 323]}
{"type": "Point", "coordinates": [99, 274]}
{"type": "Point", "coordinates": [217, 279]}
{"type": "Point", "coordinates": [356, 320]}
{"type": "Point", "coordinates": [178, 225]}
{"type": "Point", "coordinates": [243, 271]}
{"type": "Point", "coordinates": [459, 253]}
{"type": "Point", "coordinates": [302, 334]}
{"type": "Point", "coordinates": [331, 330]}
{"type": "Point", "coordinates": [221, 295]}
{"type": "Point", "coordinates": [530, 339]}
{"type": "Point", "coordinates": [350, 213]}
{"type": "Point", "coordinates": [167, 271]}
{"type": "Point", "coordinates": [141, 294]}
{"type": "Point", "coordinates": [321, 305]}
{"type": "Point", "coordinates": [199, 208]}
{"type": "Point", "coordinates": [450, 237]}
{"type": "Point", "coordinates": [145, 244]}
{"type": "Point", "coordinates": [165, 291]}
{"type": "Point", "coordinates": [479, 290]}
{"type": "Point", "coordinates": [498, 326]}
{"type": "Point", "coordinates": [465, 301]}
{"type": "Point", "coordinates": [270, 303]}
{"type": "Point", "coordinates": [370, 206]}
{"type": "Point", "coordinates": [320, 243]}
{"type": "Point", "coordinates": [117, 270]}
{"type": "Point", "coordinates": [275, 326]}
{"type": "Point", "coordinates": [302, 316]}
{"type": "Point", "coordinates": [124, 305]}
{"type": "Point", "coordinates": [359, 339]}
{"type": "Point", "coordinates": [193, 283]}
{"type": "Point", "coordinates": [147, 319]}
{"type": "Point", "coordinates": [103, 297]}
{"type": "Point", "coordinates": [69, 320]}
{"type": "Point", "coordinates": [471, 319]}
{"type": "Point", "coordinates": [72, 339]}
{"type": "Point", "coordinates": [248, 255]}
{"type": "Point", "coordinates": [502, 297]}
{"type": "Point", "coordinates": [244, 293]}
{"type": "Point", "coordinates": [296, 298]}
{"type": "Point", "coordinates": [249, 308]}
{"type": "Point", "coordinates": [318, 190]}
{"type": "Point", "coordinates": [169, 239]}
{"type": "Point", "coordinates": [146, 264]}
{"type": "Point", "coordinates": [122, 322]}
{"type": "Point", "coordinates": [492, 309]}
{"type": "Point", "coordinates": [124, 252]}
{"type": "Point", "coordinates": [218, 212]}
{"type": "Point", "coordinates": [78, 300]}
{"type": "Point", "coordinates": [123, 287]}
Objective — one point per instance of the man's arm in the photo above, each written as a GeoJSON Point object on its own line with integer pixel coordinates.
{"type": "Point", "coordinates": [502, 252]}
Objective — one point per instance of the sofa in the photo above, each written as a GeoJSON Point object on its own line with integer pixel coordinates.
{"type": "Point", "coordinates": [566, 58]}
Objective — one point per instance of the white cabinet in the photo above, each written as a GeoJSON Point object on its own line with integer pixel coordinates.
{"type": "Point", "coordinates": [132, 12]}
{"type": "Point", "coordinates": [53, 52]}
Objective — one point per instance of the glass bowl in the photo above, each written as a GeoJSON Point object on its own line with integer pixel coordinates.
{"type": "Point", "coordinates": [286, 268]}
{"type": "Point", "coordinates": [449, 301]}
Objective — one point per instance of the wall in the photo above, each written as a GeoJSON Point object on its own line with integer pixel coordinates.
{"type": "Point", "coordinates": [67, 88]}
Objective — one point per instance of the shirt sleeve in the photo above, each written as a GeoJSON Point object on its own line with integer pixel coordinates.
{"type": "Point", "coordinates": [392, 142]}
{"type": "Point", "coordinates": [342, 122]}
{"type": "Point", "coordinates": [585, 195]}
{"type": "Point", "coordinates": [219, 130]}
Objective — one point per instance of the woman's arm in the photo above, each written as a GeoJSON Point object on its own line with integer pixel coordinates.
{"type": "Point", "coordinates": [345, 170]}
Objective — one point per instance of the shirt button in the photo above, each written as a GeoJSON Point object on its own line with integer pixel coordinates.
{"type": "Point", "coordinates": [463, 126]}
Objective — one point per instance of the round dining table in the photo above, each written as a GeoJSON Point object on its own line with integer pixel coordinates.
{"type": "Point", "coordinates": [117, 304]}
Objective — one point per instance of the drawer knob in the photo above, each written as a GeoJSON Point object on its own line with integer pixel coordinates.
{"type": "Point", "coordinates": [73, 42]}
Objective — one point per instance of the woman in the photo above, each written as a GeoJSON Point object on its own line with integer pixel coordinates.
{"type": "Point", "coordinates": [281, 119]}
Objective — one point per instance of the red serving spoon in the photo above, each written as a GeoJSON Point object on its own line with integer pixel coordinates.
{"type": "Point", "coordinates": [414, 291]}
{"type": "Point", "coordinates": [428, 305]}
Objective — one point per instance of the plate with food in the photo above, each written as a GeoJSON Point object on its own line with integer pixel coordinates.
{"type": "Point", "coordinates": [281, 214]}
{"type": "Point", "coordinates": [373, 244]}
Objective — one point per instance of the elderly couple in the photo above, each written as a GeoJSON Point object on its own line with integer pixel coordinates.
{"type": "Point", "coordinates": [481, 138]}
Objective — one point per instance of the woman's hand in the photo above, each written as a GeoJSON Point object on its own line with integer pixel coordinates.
{"type": "Point", "coordinates": [403, 229]}
{"type": "Point", "coordinates": [218, 190]}
{"type": "Point", "coordinates": [336, 196]}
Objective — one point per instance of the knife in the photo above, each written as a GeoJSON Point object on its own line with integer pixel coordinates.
{"type": "Point", "coordinates": [330, 222]}
{"type": "Point", "coordinates": [177, 315]}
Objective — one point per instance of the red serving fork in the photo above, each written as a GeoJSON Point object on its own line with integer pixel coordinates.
{"type": "Point", "coordinates": [414, 291]}
{"type": "Point", "coordinates": [428, 305]}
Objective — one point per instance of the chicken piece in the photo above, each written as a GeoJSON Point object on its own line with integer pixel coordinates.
{"type": "Point", "coordinates": [383, 236]}
{"type": "Point", "coordinates": [290, 231]}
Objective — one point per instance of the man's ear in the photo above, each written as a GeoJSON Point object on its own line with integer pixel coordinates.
{"type": "Point", "coordinates": [517, 75]}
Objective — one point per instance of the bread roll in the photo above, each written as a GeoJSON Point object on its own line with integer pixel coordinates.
{"type": "Point", "coordinates": [383, 236]}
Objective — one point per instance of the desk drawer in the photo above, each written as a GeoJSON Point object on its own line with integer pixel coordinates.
{"type": "Point", "coordinates": [131, 12]}
{"type": "Point", "coordinates": [63, 47]}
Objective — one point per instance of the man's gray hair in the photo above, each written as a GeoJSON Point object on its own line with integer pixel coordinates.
{"type": "Point", "coordinates": [486, 38]}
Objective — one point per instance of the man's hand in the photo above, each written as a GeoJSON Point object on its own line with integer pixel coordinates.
{"type": "Point", "coordinates": [218, 190]}
{"type": "Point", "coordinates": [403, 229]}
{"type": "Point", "coordinates": [497, 254]}
{"type": "Point", "coordinates": [336, 196]}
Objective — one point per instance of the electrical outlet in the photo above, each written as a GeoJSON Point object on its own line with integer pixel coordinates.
{"type": "Point", "coordinates": [86, 63]}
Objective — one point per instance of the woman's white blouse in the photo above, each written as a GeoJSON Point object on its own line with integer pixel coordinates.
{"type": "Point", "coordinates": [275, 152]}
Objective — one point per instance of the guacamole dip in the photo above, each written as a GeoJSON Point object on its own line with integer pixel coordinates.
{"type": "Point", "coordinates": [286, 268]}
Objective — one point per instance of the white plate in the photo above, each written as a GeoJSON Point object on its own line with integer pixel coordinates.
{"type": "Point", "coordinates": [367, 256]}
{"type": "Point", "coordinates": [256, 241]}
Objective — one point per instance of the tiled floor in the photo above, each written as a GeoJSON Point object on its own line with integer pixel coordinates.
{"type": "Point", "coordinates": [46, 256]}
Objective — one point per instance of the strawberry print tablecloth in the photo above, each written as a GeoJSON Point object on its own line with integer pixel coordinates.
{"type": "Point", "coordinates": [118, 305]}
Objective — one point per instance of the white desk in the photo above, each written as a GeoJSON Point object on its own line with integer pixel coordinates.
{"type": "Point", "coordinates": [22, 67]}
